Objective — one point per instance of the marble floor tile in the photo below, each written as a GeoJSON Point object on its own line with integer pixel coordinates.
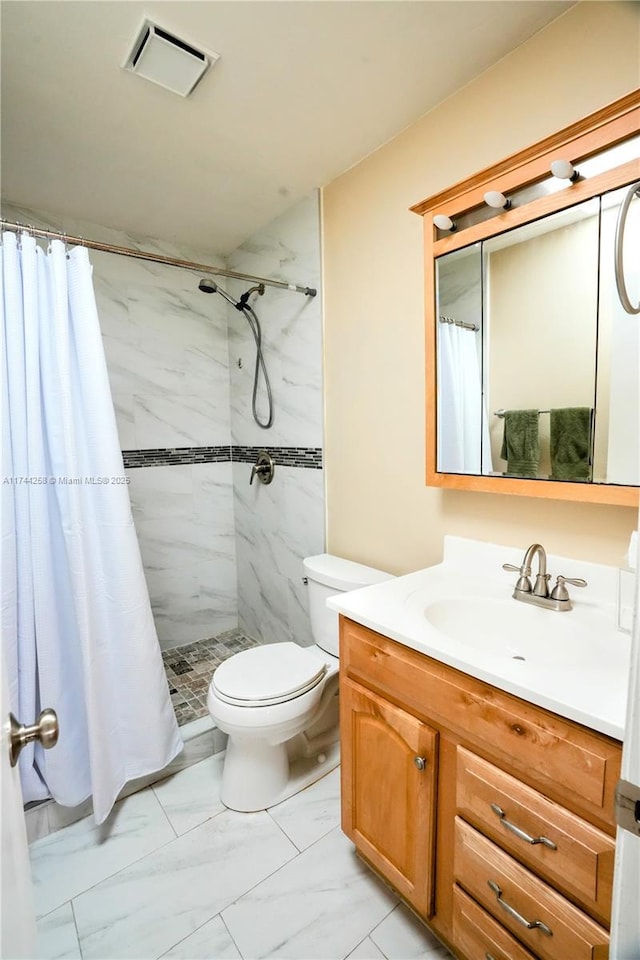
{"type": "Point", "coordinates": [210, 942]}
{"type": "Point", "coordinates": [401, 936]}
{"type": "Point", "coordinates": [57, 938]}
{"type": "Point", "coordinates": [312, 813]}
{"type": "Point", "coordinates": [67, 862]}
{"type": "Point", "coordinates": [193, 795]}
{"type": "Point", "coordinates": [366, 950]}
{"type": "Point", "coordinates": [156, 902]}
{"type": "Point", "coordinates": [322, 904]}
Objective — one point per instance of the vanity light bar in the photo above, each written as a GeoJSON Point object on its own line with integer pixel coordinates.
{"type": "Point", "coordinates": [560, 169]}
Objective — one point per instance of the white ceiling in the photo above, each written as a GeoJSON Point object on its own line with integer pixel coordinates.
{"type": "Point", "coordinates": [302, 91]}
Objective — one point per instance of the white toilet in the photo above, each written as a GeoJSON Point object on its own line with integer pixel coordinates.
{"type": "Point", "coordinates": [279, 702]}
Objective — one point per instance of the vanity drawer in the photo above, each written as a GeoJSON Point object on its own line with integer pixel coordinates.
{"type": "Point", "coordinates": [517, 897]}
{"type": "Point", "coordinates": [581, 864]}
{"type": "Point", "coordinates": [479, 936]}
{"type": "Point", "coordinates": [563, 759]}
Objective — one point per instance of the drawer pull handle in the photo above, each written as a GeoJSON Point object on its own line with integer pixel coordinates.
{"type": "Point", "coordinates": [520, 833]}
{"type": "Point", "coordinates": [420, 762]}
{"type": "Point", "coordinates": [529, 924]}
{"type": "Point", "coordinates": [490, 956]}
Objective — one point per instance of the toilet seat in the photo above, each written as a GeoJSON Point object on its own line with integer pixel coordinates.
{"type": "Point", "coordinates": [267, 675]}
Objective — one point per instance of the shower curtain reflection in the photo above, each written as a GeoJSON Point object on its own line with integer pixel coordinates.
{"type": "Point", "coordinates": [462, 424]}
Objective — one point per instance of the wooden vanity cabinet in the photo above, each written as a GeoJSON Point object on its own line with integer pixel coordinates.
{"type": "Point", "coordinates": [446, 780]}
{"type": "Point", "coordinates": [388, 787]}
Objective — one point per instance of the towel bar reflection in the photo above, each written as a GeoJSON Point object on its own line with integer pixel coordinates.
{"type": "Point", "coordinates": [501, 412]}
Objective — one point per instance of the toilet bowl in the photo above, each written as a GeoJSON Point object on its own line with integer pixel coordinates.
{"type": "Point", "coordinates": [278, 703]}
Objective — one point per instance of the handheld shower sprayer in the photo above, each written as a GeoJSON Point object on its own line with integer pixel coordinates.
{"type": "Point", "coordinates": [207, 285]}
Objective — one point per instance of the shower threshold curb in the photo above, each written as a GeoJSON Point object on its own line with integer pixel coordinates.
{"type": "Point", "coordinates": [201, 738]}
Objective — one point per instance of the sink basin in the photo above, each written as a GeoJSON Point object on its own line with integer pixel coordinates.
{"type": "Point", "coordinates": [461, 613]}
{"type": "Point", "coordinates": [517, 631]}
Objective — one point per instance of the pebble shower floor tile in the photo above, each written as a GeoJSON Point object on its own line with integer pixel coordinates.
{"type": "Point", "coordinates": [189, 670]}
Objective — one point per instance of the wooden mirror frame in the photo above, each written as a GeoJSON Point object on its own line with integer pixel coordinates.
{"type": "Point", "coordinates": [613, 124]}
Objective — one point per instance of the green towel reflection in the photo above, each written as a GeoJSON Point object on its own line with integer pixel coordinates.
{"type": "Point", "coordinates": [570, 443]}
{"type": "Point", "coordinates": [521, 443]}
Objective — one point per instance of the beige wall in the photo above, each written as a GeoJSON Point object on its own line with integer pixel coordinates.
{"type": "Point", "coordinates": [379, 510]}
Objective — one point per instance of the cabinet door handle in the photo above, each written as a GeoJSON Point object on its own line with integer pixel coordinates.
{"type": "Point", "coordinates": [489, 956]}
{"type": "Point", "coordinates": [529, 924]}
{"type": "Point", "coordinates": [518, 832]}
{"type": "Point", "coordinates": [420, 762]}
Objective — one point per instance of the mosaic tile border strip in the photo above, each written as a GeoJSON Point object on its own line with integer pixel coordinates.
{"type": "Point", "coordinates": [164, 456]}
{"type": "Point", "coordinates": [309, 457]}
{"type": "Point", "coordinates": [304, 457]}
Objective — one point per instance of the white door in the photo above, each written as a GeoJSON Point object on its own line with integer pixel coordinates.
{"type": "Point", "coordinates": [18, 931]}
{"type": "Point", "coordinates": [625, 922]}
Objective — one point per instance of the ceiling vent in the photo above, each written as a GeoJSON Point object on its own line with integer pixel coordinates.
{"type": "Point", "coordinates": [165, 59]}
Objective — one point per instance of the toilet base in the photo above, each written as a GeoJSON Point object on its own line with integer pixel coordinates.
{"type": "Point", "coordinates": [257, 776]}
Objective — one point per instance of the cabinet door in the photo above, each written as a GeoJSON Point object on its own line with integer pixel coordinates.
{"type": "Point", "coordinates": [388, 791]}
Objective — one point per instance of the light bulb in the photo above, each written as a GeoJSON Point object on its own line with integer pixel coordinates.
{"type": "Point", "coordinates": [493, 198]}
{"type": "Point", "coordinates": [564, 170]}
{"type": "Point", "coordinates": [443, 222]}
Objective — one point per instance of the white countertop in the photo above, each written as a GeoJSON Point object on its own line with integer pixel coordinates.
{"type": "Point", "coordinates": [590, 688]}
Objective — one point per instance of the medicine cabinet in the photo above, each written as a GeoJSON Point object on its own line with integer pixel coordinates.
{"type": "Point", "coordinates": [533, 318]}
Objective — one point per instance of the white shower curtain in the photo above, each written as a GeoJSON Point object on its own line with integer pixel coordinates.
{"type": "Point", "coordinates": [77, 624]}
{"type": "Point", "coordinates": [463, 435]}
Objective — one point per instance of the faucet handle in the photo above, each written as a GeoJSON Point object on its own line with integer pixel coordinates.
{"type": "Point", "coordinates": [523, 584]}
{"type": "Point", "coordinates": [560, 592]}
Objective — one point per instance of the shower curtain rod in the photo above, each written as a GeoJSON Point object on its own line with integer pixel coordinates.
{"type": "Point", "coordinates": [152, 257]}
{"type": "Point", "coordinates": [459, 323]}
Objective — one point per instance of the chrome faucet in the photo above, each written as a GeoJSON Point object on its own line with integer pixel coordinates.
{"type": "Point", "coordinates": [539, 595]}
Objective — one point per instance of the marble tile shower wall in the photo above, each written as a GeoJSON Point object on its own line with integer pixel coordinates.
{"type": "Point", "coordinates": [279, 524]}
{"type": "Point", "coordinates": [167, 356]}
{"type": "Point", "coordinates": [217, 553]}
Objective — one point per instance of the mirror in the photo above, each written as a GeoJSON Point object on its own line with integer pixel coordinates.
{"type": "Point", "coordinates": [533, 382]}
{"type": "Point", "coordinates": [533, 343]}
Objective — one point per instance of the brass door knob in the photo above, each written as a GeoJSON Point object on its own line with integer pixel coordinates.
{"type": "Point", "coordinates": [45, 730]}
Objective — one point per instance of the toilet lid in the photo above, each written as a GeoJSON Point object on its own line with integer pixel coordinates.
{"type": "Point", "coordinates": [267, 675]}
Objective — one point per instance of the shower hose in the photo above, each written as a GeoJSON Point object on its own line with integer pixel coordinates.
{"type": "Point", "coordinates": [254, 323]}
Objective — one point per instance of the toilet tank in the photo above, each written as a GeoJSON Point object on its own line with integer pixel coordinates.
{"type": "Point", "coordinates": [326, 576]}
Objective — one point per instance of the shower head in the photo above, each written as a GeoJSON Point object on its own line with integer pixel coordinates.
{"type": "Point", "coordinates": [207, 285]}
